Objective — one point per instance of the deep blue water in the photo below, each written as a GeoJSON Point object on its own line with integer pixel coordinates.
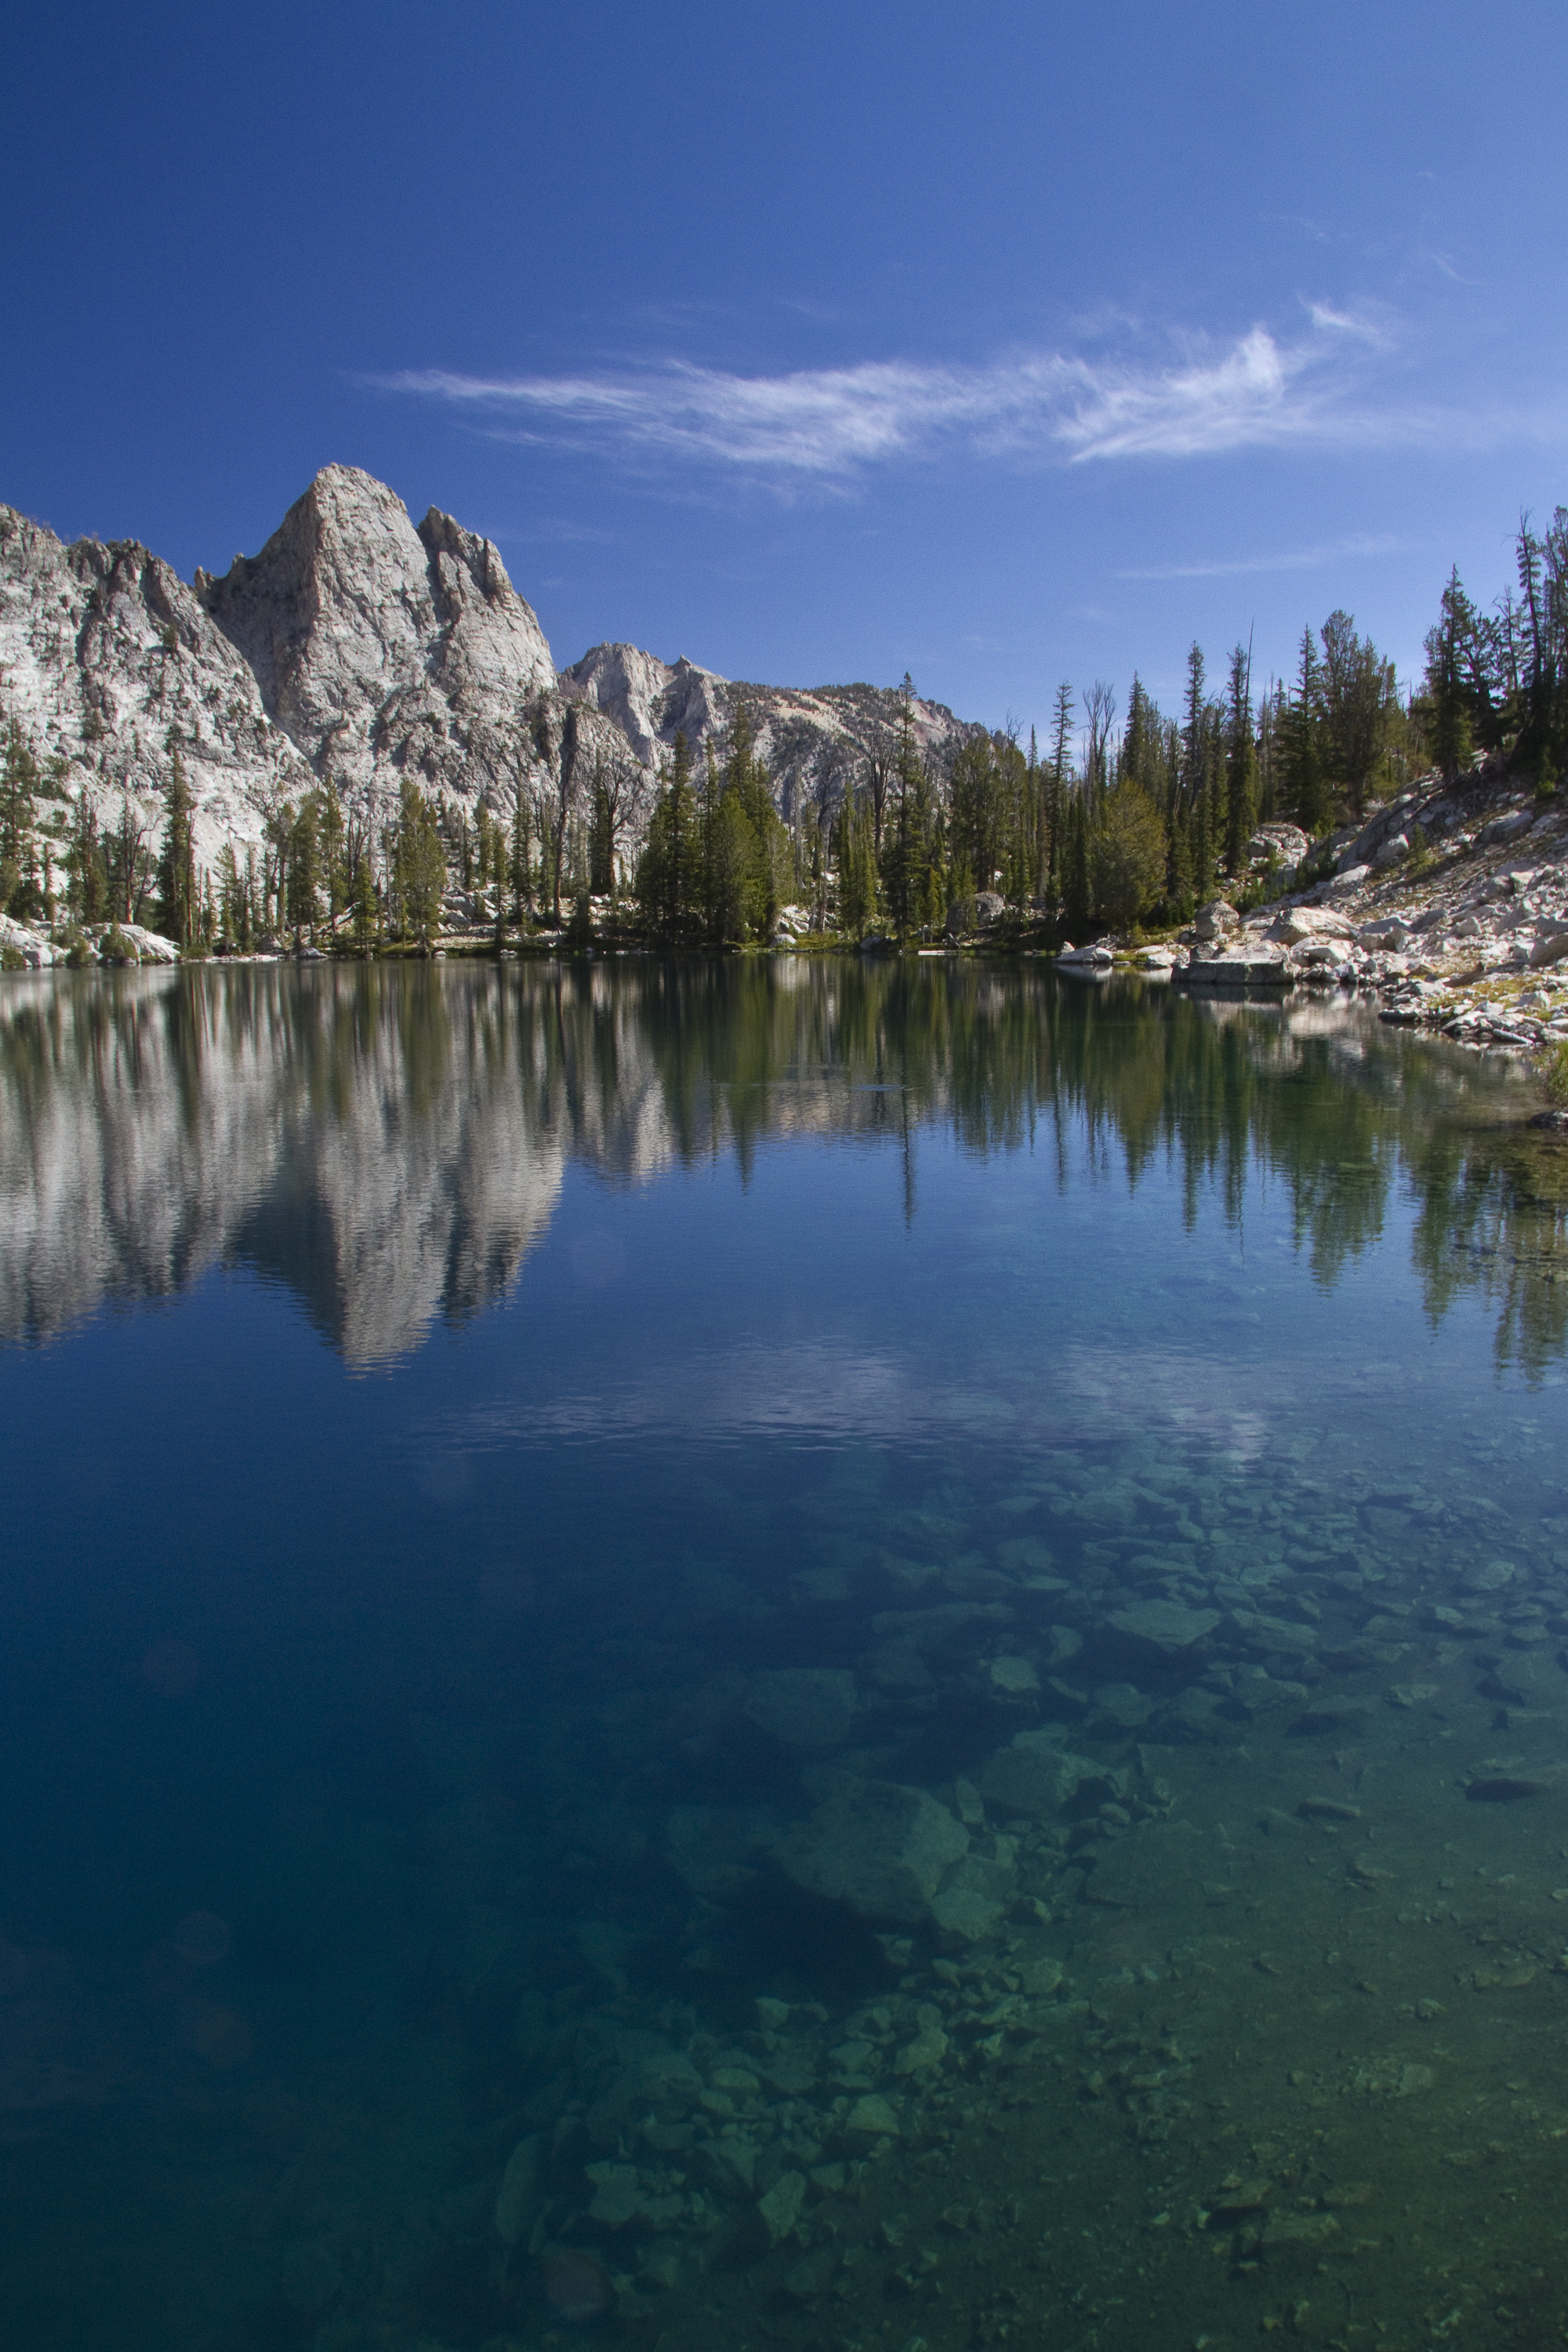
{"type": "Point", "coordinates": [537, 1503]}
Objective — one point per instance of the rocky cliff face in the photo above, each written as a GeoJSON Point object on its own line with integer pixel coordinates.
{"type": "Point", "coordinates": [358, 645]}
{"type": "Point", "coordinates": [106, 657]}
{"type": "Point", "coordinates": [382, 650]}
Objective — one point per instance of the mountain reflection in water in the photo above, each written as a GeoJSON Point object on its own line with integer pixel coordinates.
{"type": "Point", "coordinates": [390, 1143]}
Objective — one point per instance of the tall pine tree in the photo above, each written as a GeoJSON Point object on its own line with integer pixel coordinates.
{"type": "Point", "coordinates": [1306, 785]}
{"type": "Point", "coordinates": [178, 906]}
{"type": "Point", "coordinates": [1240, 764]}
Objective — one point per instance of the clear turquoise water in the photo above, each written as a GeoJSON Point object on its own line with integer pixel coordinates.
{"type": "Point", "coordinates": [504, 1466]}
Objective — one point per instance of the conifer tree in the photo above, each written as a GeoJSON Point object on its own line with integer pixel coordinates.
{"type": "Point", "coordinates": [905, 840]}
{"type": "Point", "coordinates": [1179, 887]}
{"type": "Point", "coordinates": [1141, 760]}
{"type": "Point", "coordinates": [1448, 688]}
{"type": "Point", "coordinates": [729, 877]}
{"type": "Point", "coordinates": [745, 846]}
{"type": "Point", "coordinates": [1035, 852]}
{"type": "Point", "coordinates": [1126, 854]}
{"type": "Point", "coordinates": [856, 861]}
{"type": "Point", "coordinates": [302, 888]}
{"type": "Point", "coordinates": [335, 873]}
{"type": "Point", "coordinates": [1358, 694]}
{"type": "Point", "coordinates": [1200, 839]}
{"type": "Point", "coordinates": [177, 899]}
{"type": "Point", "coordinates": [482, 849]}
{"type": "Point", "coordinates": [553, 808]}
{"type": "Point", "coordinates": [1307, 792]}
{"type": "Point", "coordinates": [960, 893]}
{"type": "Point", "coordinates": [668, 878]}
{"type": "Point", "coordinates": [1240, 765]}
{"type": "Point", "coordinates": [1062, 739]}
{"type": "Point", "coordinates": [1079, 903]}
{"type": "Point", "coordinates": [21, 891]}
{"type": "Point", "coordinates": [517, 869]}
{"type": "Point", "coordinates": [681, 878]}
{"type": "Point", "coordinates": [87, 868]}
{"type": "Point", "coordinates": [418, 864]}
{"type": "Point", "coordinates": [934, 898]}
{"type": "Point", "coordinates": [1193, 729]}
{"type": "Point", "coordinates": [366, 907]}
{"type": "Point", "coordinates": [1271, 728]}
{"type": "Point", "coordinates": [230, 887]}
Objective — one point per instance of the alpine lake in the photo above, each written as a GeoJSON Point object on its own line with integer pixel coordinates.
{"type": "Point", "coordinates": [861, 1656]}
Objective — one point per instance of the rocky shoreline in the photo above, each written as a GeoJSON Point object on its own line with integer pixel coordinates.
{"type": "Point", "coordinates": [1449, 906]}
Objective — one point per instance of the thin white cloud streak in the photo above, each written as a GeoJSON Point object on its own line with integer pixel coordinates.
{"type": "Point", "coordinates": [1300, 559]}
{"type": "Point", "coordinates": [827, 422]}
{"type": "Point", "coordinates": [1441, 261]}
{"type": "Point", "coordinates": [1344, 322]}
{"type": "Point", "coordinates": [829, 425]}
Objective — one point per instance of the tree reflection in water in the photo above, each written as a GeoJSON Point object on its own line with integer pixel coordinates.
{"type": "Point", "coordinates": [391, 1141]}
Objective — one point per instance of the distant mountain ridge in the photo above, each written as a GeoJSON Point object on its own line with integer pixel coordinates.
{"type": "Point", "coordinates": [811, 739]}
{"type": "Point", "coordinates": [359, 644]}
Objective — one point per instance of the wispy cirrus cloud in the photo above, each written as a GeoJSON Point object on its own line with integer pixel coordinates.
{"type": "Point", "coordinates": [1294, 559]}
{"type": "Point", "coordinates": [829, 425]}
{"type": "Point", "coordinates": [1368, 329]}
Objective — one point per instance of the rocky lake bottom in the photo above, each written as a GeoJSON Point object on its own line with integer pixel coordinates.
{"type": "Point", "coordinates": [701, 1663]}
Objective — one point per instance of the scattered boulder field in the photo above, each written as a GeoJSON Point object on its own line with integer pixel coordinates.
{"type": "Point", "coordinates": [1449, 906]}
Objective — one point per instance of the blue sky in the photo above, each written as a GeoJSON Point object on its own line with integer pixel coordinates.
{"type": "Point", "coordinates": [1000, 342]}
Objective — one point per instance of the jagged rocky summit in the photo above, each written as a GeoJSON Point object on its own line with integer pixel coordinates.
{"type": "Point", "coordinates": [360, 645]}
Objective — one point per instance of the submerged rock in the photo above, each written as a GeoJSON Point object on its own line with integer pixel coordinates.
{"type": "Point", "coordinates": [779, 2210]}
{"type": "Point", "coordinates": [924, 2054]}
{"type": "Point", "coordinates": [658, 2083]}
{"type": "Point", "coordinates": [1489, 1577]}
{"type": "Point", "coordinates": [618, 2193]}
{"type": "Point", "coordinates": [1122, 1704]}
{"type": "Point", "coordinates": [1167, 1625]}
{"type": "Point", "coordinates": [1300, 2229]}
{"type": "Point", "coordinates": [1192, 1715]}
{"type": "Point", "coordinates": [879, 1847]}
{"type": "Point", "coordinates": [1505, 1788]}
{"type": "Point", "coordinates": [1014, 1677]}
{"type": "Point", "coordinates": [517, 2198]}
{"type": "Point", "coordinates": [976, 1893]}
{"type": "Point", "coordinates": [1037, 1775]}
